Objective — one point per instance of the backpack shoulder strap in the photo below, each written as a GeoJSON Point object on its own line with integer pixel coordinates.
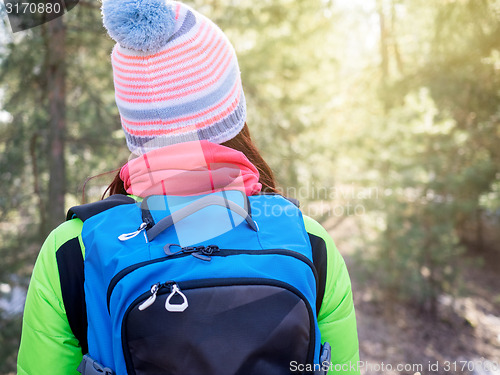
{"type": "Point", "coordinates": [86, 211]}
{"type": "Point", "coordinates": [319, 258]}
{"type": "Point", "coordinates": [320, 262]}
{"type": "Point", "coordinates": [70, 266]}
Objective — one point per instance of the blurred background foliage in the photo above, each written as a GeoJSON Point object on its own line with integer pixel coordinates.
{"type": "Point", "coordinates": [385, 112]}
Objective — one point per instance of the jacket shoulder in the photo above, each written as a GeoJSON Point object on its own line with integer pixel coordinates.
{"type": "Point", "coordinates": [45, 327]}
{"type": "Point", "coordinates": [313, 227]}
{"type": "Point", "coordinates": [60, 235]}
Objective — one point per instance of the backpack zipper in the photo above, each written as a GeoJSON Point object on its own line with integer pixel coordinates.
{"type": "Point", "coordinates": [187, 251]}
{"type": "Point", "coordinates": [174, 289]}
{"type": "Point", "coordinates": [152, 299]}
{"type": "Point", "coordinates": [200, 252]}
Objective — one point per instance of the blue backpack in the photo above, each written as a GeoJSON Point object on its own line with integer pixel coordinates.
{"type": "Point", "coordinates": [211, 284]}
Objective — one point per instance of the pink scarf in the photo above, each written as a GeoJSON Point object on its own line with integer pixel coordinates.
{"type": "Point", "coordinates": [190, 168]}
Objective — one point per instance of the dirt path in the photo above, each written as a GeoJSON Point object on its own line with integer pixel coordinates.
{"type": "Point", "coordinates": [464, 337]}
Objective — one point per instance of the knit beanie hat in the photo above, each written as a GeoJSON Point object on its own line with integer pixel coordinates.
{"type": "Point", "coordinates": [175, 73]}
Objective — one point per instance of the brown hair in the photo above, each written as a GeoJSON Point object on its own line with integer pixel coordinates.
{"type": "Point", "coordinates": [242, 142]}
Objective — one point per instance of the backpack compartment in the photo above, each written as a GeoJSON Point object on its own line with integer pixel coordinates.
{"type": "Point", "coordinates": [231, 326]}
{"type": "Point", "coordinates": [222, 291]}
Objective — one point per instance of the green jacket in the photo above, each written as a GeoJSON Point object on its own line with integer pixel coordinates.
{"type": "Point", "coordinates": [48, 345]}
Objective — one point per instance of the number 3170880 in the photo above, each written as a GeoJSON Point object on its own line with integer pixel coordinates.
{"type": "Point", "coordinates": [33, 8]}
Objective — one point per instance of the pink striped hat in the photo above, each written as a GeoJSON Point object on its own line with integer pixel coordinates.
{"type": "Point", "coordinates": [176, 75]}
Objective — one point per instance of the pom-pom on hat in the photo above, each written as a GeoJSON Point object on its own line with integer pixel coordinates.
{"type": "Point", "coordinates": [176, 75]}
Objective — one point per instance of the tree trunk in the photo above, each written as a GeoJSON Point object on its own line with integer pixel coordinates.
{"type": "Point", "coordinates": [56, 36]}
{"type": "Point", "coordinates": [384, 45]}
{"type": "Point", "coordinates": [36, 185]}
{"type": "Point", "coordinates": [397, 54]}
{"type": "Point", "coordinates": [384, 54]}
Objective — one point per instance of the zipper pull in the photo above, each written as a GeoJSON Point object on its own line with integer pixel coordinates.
{"type": "Point", "coordinates": [210, 249]}
{"type": "Point", "coordinates": [128, 236]}
{"type": "Point", "coordinates": [176, 307]}
{"type": "Point", "coordinates": [151, 299]}
{"type": "Point", "coordinates": [205, 253]}
{"type": "Point", "coordinates": [185, 250]}
{"type": "Point", "coordinates": [168, 251]}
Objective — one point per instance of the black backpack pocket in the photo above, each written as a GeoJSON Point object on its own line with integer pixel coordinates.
{"type": "Point", "coordinates": [230, 326]}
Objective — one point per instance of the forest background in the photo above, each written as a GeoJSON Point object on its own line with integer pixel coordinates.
{"type": "Point", "coordinates": [381, 116]}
